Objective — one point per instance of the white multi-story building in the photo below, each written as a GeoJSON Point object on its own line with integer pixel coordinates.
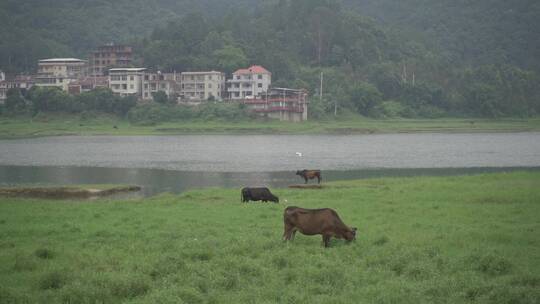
{"type": "Point", "coordinates": [155, 82]}
{"type": "Point", "coordinates": [202, 85]}
{"type": "Point", "coordinates": [59, 72]}
{"type": "Point", "coordinates": [21, 82]}
{"type": "Point", "coordinates": [249, 83]}
{"type": "Point", "coordinates": [127, 81]}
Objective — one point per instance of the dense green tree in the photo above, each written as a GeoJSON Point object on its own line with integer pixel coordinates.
{"type": "Point", "coordinates": [51, 99]}
{"type": "Point", "coordinates": [366, 98]}
{"type": "Point", "coordinates": [15, 102]}
{"type": "Point", "coordinates": [160, 97]}
{"type": "Point", "coordinates": [230, 58]}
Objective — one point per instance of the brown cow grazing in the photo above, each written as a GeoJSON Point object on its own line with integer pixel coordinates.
{"type": "Point", "coordinates": [316, 221]}
{"type": "Point", "coordinates": [310, 174]}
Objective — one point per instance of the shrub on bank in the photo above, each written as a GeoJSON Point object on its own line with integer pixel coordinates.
{"type": "Point", "coordinates": [152, 114]}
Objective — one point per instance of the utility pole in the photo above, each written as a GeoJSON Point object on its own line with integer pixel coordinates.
{"type": "Point", "coordinates": [320, 88]}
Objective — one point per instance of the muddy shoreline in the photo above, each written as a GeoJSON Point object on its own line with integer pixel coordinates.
{"type": "Point", "coordinates": [65, 192]}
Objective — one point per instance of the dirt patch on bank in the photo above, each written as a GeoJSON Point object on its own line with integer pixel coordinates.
{"type": "Point", "coordinates": [306, 186]}
{"type": "Point", "coordinates": [64, 192]}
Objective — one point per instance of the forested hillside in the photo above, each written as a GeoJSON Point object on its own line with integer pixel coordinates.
{"type": "Point", "coordinates": [33, 29]}
{"type": "Point", "coordinates": [385, 58]}
{"type": "Point", "coordinates": [465, 32]}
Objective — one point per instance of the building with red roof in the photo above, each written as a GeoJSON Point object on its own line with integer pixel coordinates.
{"type": "Point", "coordinates": [249, 83]}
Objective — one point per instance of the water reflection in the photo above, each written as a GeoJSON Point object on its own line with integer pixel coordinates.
{"type": "Point", "coordinates": [155, 181]}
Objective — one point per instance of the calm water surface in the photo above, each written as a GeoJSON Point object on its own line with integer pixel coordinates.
{"type": "Point", "coordinates": [176, 163]}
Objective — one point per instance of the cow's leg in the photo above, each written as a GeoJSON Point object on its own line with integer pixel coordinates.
{"type": "Point", "coordinates": [305, 179]}
{"type": "Point", "coordinates": [318, 179]}
{"type": "Point", "coordinates": [288, 231]}
{"type": "Point", "coordinates": [326, 240]}
{"type": "Point", "coordinates": [293, 234]}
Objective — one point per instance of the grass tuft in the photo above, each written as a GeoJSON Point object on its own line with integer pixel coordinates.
{"type": "Point", "coordinates": [24, 263]}
{"type": "Point", "coordinates": [52, 280]}
{"type": "Point", "coordinates": [130, 287]}
{"type": "Point", "coordinates": [44, 253]}
{"type": "Point", "coordinates": [491, 264]}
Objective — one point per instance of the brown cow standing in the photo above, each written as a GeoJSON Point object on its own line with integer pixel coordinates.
{"type": "Point", "coordinates": [316, 221]}
{"type": "Point", "coordinates": [310, 174]}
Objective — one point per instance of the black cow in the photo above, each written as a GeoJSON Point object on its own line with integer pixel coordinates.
{"type": "Point", "coordinates": [310, 174]}
{"type": "Point", "coordinates": [258, 194]}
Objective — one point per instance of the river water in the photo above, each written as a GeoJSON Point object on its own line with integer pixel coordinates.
{"type": "Point", "coordinates": [177, 163]}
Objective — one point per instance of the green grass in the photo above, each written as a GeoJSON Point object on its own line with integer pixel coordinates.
{"type": "Point", "coordinates": [62, 124]}
{"type": "Point", "coordinates": [459, 239]}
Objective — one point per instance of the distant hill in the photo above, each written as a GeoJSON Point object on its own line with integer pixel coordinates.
{"type": "Point", "coordinates": [33, 29]}
{"type": "Point", "coordinates": [465, 32]}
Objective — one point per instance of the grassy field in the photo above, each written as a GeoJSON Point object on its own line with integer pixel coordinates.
{"type": "Point", "coordinates": [460, 239]}
{"type": "Point", "coordinates": [48, 125]}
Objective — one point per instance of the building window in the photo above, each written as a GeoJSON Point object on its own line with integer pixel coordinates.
{"type": "Point", "coordinates": [259, 85]}
{"type": "Point", "coordinates": [237, 76]}
{"type": "Point", "coordinates": [259, 76]}
{"type": "Point", "coordinates": [124, 86]}
{"type": "Point", "coordinates": [124, 77]}
{"type": "Point", "coordinates": [131, 86]}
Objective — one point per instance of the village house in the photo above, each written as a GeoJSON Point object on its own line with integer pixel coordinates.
{"type": "Point", "coordinates": [198, 86]}
{"type": "Point", "coordinates": [59, 72]}
{"type": "Point", "coordinates": [155, 82]}
{"type": "Point", "coordinates": [249, 83]}
{"type": "Point", "coordinates": [127, 81]}
{"type": "Point", "coordinates": [109, 56]}
{"type": "Point", "coordinates": [281, 103]}
{"type": "Point", "coordinates": [86, 84]}
{"type": "Point", "coordinates": [22, 82]}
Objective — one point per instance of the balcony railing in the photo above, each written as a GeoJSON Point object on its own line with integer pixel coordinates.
{"type": "Point", "coordinates": [280, 109]}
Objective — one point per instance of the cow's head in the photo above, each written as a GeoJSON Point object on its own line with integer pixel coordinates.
{"type": "Point", "coordinates": [298, 172]}
{"type": "Point", "coordinates": [351, 235]}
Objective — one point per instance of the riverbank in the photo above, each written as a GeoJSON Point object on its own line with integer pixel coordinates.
{"type": "Point", "coordinates": [66, 192]}
{"type": "Point", "coordinates": [54, 125]}
{"type": "Point", "coordinates": [457, 239]}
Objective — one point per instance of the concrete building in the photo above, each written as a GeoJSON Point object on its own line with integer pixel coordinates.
{"type": "Point", "coordinates": [155, 82]}
{"type": "Point", "coordinates": [109, 56]}
{"type": "Point", "coordinates": [22, 82]}
{"type": "Point", "coordinates": [281, 103]}
{"type": "Point", "coordinates": [249, 83]}
{"type": "Point", "coordinates": [86, 84]}
{"type": "Point", "coordinates": [59, 72]}
{"type": "Point", "coordinates": [197, 86]}
{"type": "Point", "coordinates": [127, 81]}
